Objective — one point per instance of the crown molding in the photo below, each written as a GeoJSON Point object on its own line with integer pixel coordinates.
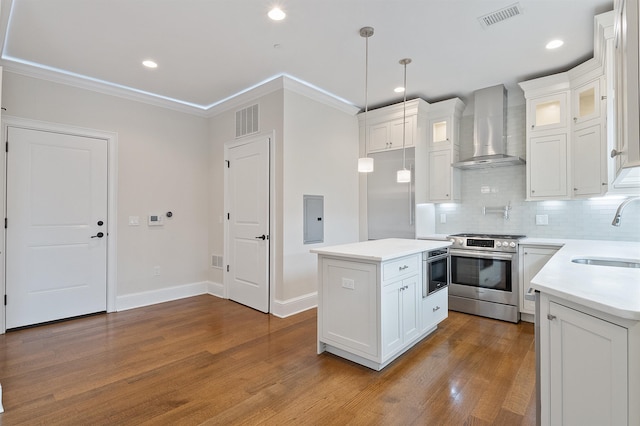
{"type": "Point", "coordinates": [100, 87]}
{"type": "Point", "coordinates": [278, 82]}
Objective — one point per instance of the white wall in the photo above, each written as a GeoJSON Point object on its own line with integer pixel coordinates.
{"type": "Point", "coordinates": [315, 152]}
{"type": "Point", "coordinates": [320, 158]}
{"type": "Point", "coordinates": [162, 166]}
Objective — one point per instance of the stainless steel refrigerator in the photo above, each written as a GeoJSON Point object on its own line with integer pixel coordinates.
{"type": "Point", "coordinates": [391, 205]}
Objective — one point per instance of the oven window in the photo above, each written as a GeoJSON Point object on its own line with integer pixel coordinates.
{"type": "Point", "coordinates": [438, 275]}
{"type": "Point", "coordinates": [485, 273]}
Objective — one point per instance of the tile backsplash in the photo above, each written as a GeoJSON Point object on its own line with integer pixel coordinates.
{"type": "Point", "coordinates": [498, 187]}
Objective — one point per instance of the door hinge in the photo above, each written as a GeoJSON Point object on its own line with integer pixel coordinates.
{"type": "Point", "coordinates": [227, 268]}
{"type": "Point", "coordinates": [5, 223]}
{"type": "Point", "coordinates": [6, 147]}
{"type": "Point", "coordinates": [228, 216]}
{"type": "Point", "coordinates": [5, 300]}
{"type": "Point", "coordinates": [228, 163]}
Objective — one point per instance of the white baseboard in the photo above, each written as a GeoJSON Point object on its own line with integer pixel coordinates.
{"type": "Point", "coordinates": [286, 308]}
{"type": "Point", "coordinates": [146, 298]}
{"type": "Point", "coordinates": [279, 308]}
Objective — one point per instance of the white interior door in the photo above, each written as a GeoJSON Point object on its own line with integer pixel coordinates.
{"type": "Point", "coordinates": [56, 257]}
{"type": "Point", "coordinates": [248, 231]}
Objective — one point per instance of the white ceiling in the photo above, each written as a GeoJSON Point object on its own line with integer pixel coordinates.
{"type": "Point", "coordinates": [210, 50]}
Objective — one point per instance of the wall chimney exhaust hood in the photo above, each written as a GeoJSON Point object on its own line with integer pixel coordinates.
{"type": "Point", "coordinates": [490, 131]}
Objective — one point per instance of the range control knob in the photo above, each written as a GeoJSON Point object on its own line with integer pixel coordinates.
{"type": "Point", "coordinates": [512, 244]}
{"type": "Point", "coordinates": [498, 244]}
{"type": "Point", "coordinates": [460, 241]}
{"type": "Point", "coordinates": [452, 241]}
{"type": "Point", "coordinates": [505, 244]}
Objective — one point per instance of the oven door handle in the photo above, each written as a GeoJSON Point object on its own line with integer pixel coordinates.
{"type": "Point", "coordinates": [480, 254]}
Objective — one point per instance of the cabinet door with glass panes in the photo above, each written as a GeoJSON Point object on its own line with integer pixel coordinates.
{"type": "Point", "coordinates": [586, 103]}
{"type": "Point", "coordinates": [548, 113]}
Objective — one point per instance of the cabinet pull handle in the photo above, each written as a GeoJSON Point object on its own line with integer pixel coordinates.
{"type": "Point", "coordinates": [551, 317]}
{"type": "Point", "coordinates": [402, 268]}
{"type": "Point", "coordinates": [437, 308]}
{"type": "Point", "coordinates": [615, 153]}
{"type": "Point", "coordinates": [533, 125]}
{"type": "Point", "coordinates": [575, 119]}
{"type": "Point", "coordinates": [575, 189]}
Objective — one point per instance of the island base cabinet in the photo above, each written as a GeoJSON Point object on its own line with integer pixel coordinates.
{"type": "Point", "coordinates": [585, 376]}
{"type": "Point", "coordinates": [349, 288]}
{"type": "Point", "coordinates": [400, 315]}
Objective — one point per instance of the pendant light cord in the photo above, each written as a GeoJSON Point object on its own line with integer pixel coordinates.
{"type": "Point", "coordinates": [404, 115]}
{"type": "Point", "coordinates": [366, 85]}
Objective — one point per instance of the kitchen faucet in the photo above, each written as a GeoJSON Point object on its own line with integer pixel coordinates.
{"type": "Point", "coordinates": [618, 216]}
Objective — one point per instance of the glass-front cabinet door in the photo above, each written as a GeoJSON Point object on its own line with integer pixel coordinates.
{"type": "Point", "coordinates": [548, 112]}
{"type": "Point", "coordinates": [586, 102]}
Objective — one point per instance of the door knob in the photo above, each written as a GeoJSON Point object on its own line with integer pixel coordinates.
{"type": "Point", "coordinates": [98, 235]}
{"type": "Point", "coordinates": [262, 237]}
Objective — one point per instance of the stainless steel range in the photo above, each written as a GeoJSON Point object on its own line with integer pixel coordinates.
{"type": "Point", "coordinates": [484, 275]}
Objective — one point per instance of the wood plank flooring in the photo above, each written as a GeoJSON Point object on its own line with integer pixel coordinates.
{"type": "Point", "coordinates": [205, 360]}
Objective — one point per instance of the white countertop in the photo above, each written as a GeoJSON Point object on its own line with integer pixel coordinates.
{"type": "Point", "coordinates": [381, 250]}
{"type": "Point", "coordinates": [609, 289]}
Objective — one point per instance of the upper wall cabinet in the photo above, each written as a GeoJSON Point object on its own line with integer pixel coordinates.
{"type": "Point", "coordinates": [384, 126]}
{"type": "Point", "coordinates": [443, 142]}
{"type": "Point", "coordinates": [624, 112]}
{"type": "Point", "coordinates": [572, 125]}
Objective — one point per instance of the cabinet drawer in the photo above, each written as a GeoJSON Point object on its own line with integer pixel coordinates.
{"type": "Point", "coordinates": [400, 267]}
{"type": "Point", "coordinates": [435, 308]}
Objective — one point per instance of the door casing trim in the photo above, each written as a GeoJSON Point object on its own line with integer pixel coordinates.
{"type": "Point", "coordinates": [112, 198]}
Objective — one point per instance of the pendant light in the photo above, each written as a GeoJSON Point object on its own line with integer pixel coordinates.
{"type": "Point", "coordinates": [404, 175]}
{"type": "Point", "coordinates": [365, 164]}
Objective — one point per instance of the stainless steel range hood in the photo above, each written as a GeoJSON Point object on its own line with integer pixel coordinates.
{"type": "Point", "coordinates": [490, 131]}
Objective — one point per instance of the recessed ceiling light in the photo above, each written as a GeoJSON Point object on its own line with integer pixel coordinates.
{"type": "Point", "coordinates": [276, 14]}
{"type": "Point", "coordinates": [554, 44]}
{"type": "Point", "coordinates": [399, 89]}
{"type": "Point", "coordinates": [149, 64]}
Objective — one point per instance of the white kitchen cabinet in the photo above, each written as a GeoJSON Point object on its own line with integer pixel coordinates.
{"type": "Point", "coordinates": [589, 162]}
{"type": "Point", "coordinates": [435, 309]}
{"type": "Point", "coordinates": [548, 113]}
{"type": "Point", "coordinates": [388, 134]}
{"type": "Point", "coordinates": [400, 314]}
{"type": "Point", "coordinates": [588, 371]}
{"type": "Point", "coordinates": [547, 166]}
{"type": "Point", "coordinates": [441, 176]}
{"type": "Point", "coordinates": [531, 259]}
{"type": "Point", "coordinates": [370, 311]}
{"type": "Point", "coordinates": [566, 158]}
{"type": "Point", "coordinates": [383, 128]}
{"type": "Point", "coordinates": [626, 74]}
{"type": "Point", "coordinates": [444, 150]}
{"type": "Point", "coordinates": [586, 102]}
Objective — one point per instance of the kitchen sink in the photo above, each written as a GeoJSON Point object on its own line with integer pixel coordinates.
{"type": "Point", "coordinates": [619, 263]}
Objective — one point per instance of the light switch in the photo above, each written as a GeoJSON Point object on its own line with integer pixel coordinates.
{"type": "Point", "coordinates": [134, 220]}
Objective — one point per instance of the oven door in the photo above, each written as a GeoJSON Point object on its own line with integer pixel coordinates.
{"type": "Point", "coordinates": [484, 275]}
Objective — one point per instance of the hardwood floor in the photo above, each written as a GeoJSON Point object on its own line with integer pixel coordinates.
{"type": "Point", "coordinates": [205, 360]}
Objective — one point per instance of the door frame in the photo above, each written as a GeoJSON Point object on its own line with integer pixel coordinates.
{"type": "Point", "coordinates": [112, 198]}
{"type": "Point", "coordinates": [272, 225]}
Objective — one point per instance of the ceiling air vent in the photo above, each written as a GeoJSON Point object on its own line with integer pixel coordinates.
{"type": "Point", "coordinates": [500, 15]}
{"type": "Point", "coordinates": [247, 121]}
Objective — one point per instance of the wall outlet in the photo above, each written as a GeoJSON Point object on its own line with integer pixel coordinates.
{"type": "Point", "coordinates": [156, 271]}
{"type": "Point", "coordinates": [443, 218]}
{"type": "Point", "coordinates": [348, 283]}
{"type": "Point", "coordinates": [542, 219]}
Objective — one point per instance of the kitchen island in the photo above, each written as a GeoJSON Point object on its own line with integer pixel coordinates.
{"type": "Point", "coordinates": [371, 303]}
{"type": "Point", "coordinates": [588, 334]}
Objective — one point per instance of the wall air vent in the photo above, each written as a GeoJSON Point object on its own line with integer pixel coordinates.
{"type": "Point", "coordinates": [500, 15]}
{"type": "Point", "coordinates": [247, 121]}
{"type": "Point", "coordinates": [216, 261]}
